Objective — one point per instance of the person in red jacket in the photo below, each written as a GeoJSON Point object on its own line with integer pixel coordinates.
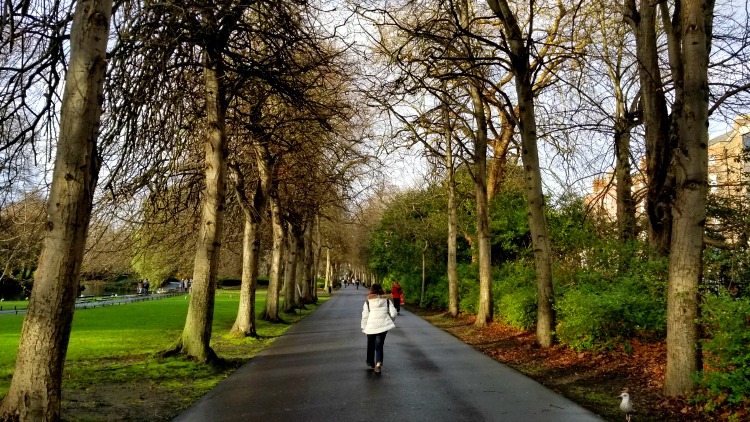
{"type": "Point", "coordinates": [398, 294]}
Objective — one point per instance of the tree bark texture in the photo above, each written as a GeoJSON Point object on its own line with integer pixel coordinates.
{"type": "Point", "coordinates": [485, 308]}
{"type": "Point", "coordinates": [196, 336]}
{"type": "Point", "coordinates": [277, 252]}
{"type": "Point", "coordinates": [35, 390]}
{"type": "Point", "coordinates": [290, 270]}
{"type": "Point", "coordinates": [689, 211]}
{"type": "Point", "coordinates": [659, 145]}
{"type": "Point", "coordinates": [452, 216]}
{"type": "Point", "coordinates": [252, 209]}
{"type": "Point", "coordinates": [500, 154]}
{"type": "Point", "coordinates": [329, 269]}
{"type": "Point", "coordinates": [244, 324]}
{"type": "Point", "coordinates": [520, 66]}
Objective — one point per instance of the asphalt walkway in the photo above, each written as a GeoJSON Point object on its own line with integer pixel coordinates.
{"type": "Point", "coordinates": [317, 372]}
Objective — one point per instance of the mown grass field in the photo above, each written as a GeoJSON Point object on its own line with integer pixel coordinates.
{"type": "Point", "coordinates": [114, 352]}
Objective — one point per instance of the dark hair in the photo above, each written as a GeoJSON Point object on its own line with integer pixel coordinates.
{"type": "Point", "coordinates": [376, 289]}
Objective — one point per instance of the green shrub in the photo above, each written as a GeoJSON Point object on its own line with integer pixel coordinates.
{"type": "Point", "coordinates": [593, 315]}
{"type": "Point", "coordinates": [263, 281]}
{"type": "Point", "coordinates": [515, 294]}
{"type": "Point", "coordinates": [468, 287]}
{"type": "Point", "coordinates": [518, 309]}
{"type": "Point", "coordinates": [727, 323]}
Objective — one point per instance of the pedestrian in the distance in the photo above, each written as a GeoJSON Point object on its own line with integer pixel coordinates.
{"type": "Point", "coordinates": [377, 318]}
{"type": "Point", "coordinates": [397, 294]}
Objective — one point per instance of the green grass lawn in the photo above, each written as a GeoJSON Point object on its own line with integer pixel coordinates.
{"type": "Point", "coordinates": [120, 345]}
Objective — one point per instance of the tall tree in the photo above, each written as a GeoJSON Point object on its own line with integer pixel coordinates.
{"type": "Point", "coordinates": [525, 68]}
{"type": "Point", "coordinates": [35, 390]}
{"type": "Point", "coordinates": [689, 27]}
{"type": "Point", "coordinates": [659, 143]}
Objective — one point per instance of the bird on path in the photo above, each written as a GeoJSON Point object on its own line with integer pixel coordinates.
{"type": "Point", "coordinates": [626, 406]}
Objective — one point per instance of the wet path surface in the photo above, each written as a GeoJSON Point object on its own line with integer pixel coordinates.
{"type": "Point", "coordinates": [317, 372]}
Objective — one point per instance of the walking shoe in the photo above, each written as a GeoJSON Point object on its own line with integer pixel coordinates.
{"type": "Point", "coordinates": [378, 367]}
{"type": "Point", "coordinates": [370, 364]}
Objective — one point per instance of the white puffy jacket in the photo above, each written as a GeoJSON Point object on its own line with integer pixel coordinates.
{"type": "Point", "coordinates": [379, 315]}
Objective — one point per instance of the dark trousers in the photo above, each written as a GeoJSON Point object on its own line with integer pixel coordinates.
{"type": "Point", "coordinates": [375, 348]}
{"type": "Point", "coordinates": [397, 303]}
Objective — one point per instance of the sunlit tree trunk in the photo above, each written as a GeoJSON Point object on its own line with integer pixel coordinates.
{"type": "Point", "coordinates": [452, 215]}
{"type": "Point", "coordinates": [484, 310]}
{"type": "Point", "coordinates": [196, 336]}
{"type": "Point", "coordinates": [35, 389]}
{"type": "Point", "coordinates": [245, 323]}
{"type": "Point", "coordinates": [500, 154]}
{"type": "Point", "coordinates": [690, 45]}
{"type": "Point", "coordinates": [520, 66]}
{"type": "Point", "coordinates": [329, 270]}
{"type": "Point", "coordinates": [271, 312]}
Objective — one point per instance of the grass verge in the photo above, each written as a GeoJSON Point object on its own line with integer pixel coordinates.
{"type": "Point", "coordinates": [112, 371]}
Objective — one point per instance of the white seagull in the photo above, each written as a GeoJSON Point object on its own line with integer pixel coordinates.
{"type": "Point", "coordinates": [626, 406]}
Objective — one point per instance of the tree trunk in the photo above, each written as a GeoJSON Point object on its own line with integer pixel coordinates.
{"type": "Point", "coordinates": [624, 122]}
{"type": "Point", "coordinates": [424, 273]}
{"type": "Point", "coordinates": [484, 310]}
{"type": "Point", "coordinates": [317, 252]}
{"type": "Point", "coordinates": [308, 268]}
{"type": "Point", "coordinates": [691, 165]}
{"type": "Point", "coordinates": [290, 270]}
{"type": "Point", "coordinates": [519, 58]}
{"type": "Point", "coordinates": [545, 322]}
{"type": "Point", "coordinates": [245, 323]}
{"type": "Point", "coordinates": [452, 217]}
{"type": "Point", "coordinates": [196, 336]}
{"type": "Point", "coordinates": [35, 389]}
{"type": "Point", "coordinates": [271, 312]}
{"type": "Point", "coordinates": [500, 154]}
{"type": "Point", "coordinates": [329, 270]}
{"type": "Point", "coordinates": [659, 147]}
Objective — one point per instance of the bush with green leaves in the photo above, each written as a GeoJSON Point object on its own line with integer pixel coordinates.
{"type": "Point", "coordinates": [514, 289]}
{"type": "Point", "coordinates": [468, 287]}
{"type": "Point", "coordinates": [726, 320]}
{"type": "Point", "coordinates": [610, 303]}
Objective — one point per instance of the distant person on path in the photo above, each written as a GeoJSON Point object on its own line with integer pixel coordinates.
{"type": "Point", "coordinates": [377, 319]}
{"type": "Point", "coordinates": [139, 287]}
{"type": "Point", "coordinates": [397, 293]}
{"type": "Point", "coordinates": [145, 287]}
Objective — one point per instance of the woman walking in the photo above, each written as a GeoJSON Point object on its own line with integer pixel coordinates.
{"type": "Point", "coordinates": [377, 318]}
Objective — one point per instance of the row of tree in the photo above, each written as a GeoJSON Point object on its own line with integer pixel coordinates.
{"type": "Point", "coordinates": [466, 78]}
{"type": "Point", "coordinates": [188, 111]}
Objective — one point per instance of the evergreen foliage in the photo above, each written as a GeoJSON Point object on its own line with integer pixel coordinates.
{"type": "Point", "coordinates": [726, 319]}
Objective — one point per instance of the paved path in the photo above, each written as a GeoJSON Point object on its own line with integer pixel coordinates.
{"type": "Point", "coordinates": [317, 372]}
